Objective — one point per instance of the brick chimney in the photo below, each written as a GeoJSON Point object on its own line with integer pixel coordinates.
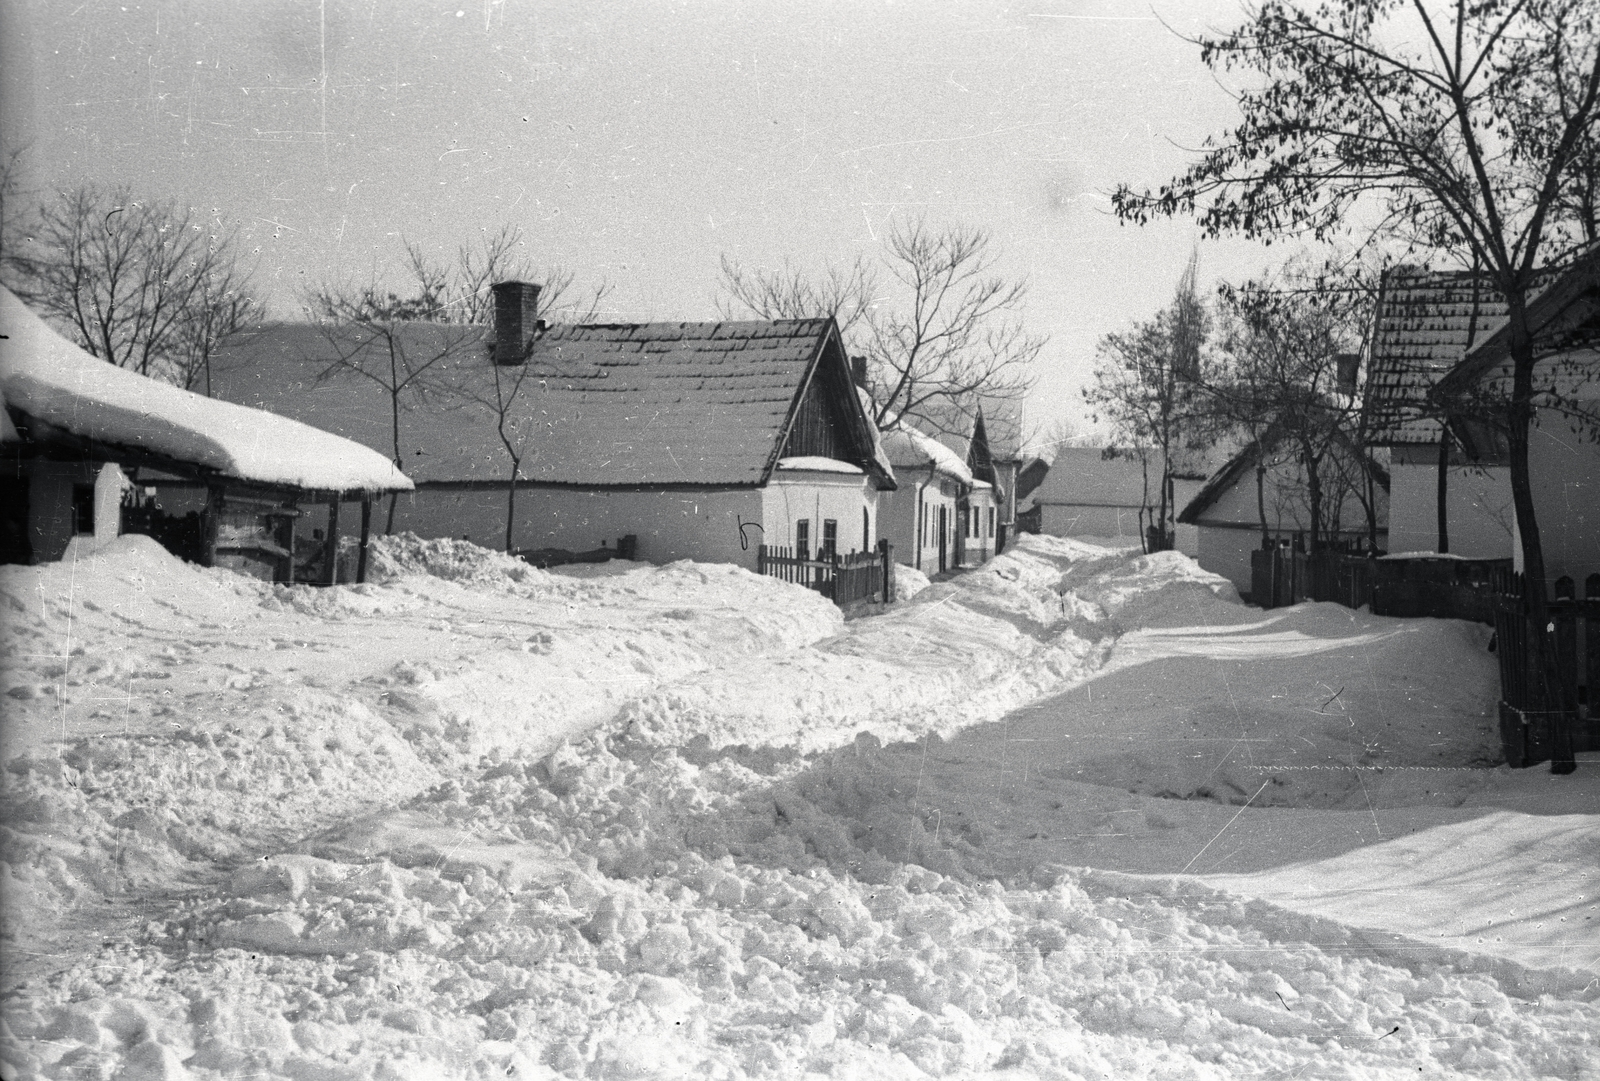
{"type": "Point", "coordinates": [1348, 365]}
{"type": "Point", "coordinates": [516, 320]}
{"type": "Point", "coordinates": [858, 370]}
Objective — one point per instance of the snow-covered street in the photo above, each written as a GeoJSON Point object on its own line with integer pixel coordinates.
{"type": "Point", "coordinates": [1077, 814]}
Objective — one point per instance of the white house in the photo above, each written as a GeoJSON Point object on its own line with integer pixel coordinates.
{"type": "Point", "coordinates": [920, 517]}
{"type": "Point", "coordinates": [1090, 492]}
{"type": "Point", "coordinates": [700, 440]}
{"type": "Point", "coordinates": [1227, 513]}
{"type": "Point", "coordinates": [1563, 456]}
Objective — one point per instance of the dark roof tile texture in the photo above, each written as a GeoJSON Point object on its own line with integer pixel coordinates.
{"type": "Point", "coordinates": [628, 404]}
{"type": "Point", "coordinates": [1426, 322]}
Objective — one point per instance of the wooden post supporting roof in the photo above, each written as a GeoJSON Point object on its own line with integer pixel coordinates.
{"type": "Point", "coordinates": [366, 527]}
{"type": "Point", "coordinates": [330, 549]}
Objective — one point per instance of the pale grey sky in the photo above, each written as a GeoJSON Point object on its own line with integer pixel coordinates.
{"type": "Point", "coordinates": [638, 142]}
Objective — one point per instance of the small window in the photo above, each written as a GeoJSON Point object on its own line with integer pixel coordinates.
{"type": "Point", "coordinates": [830, 538]}
{"type": "Point", "coordinates": [83, 508]}
{"type": "Point", "coordinates": [991, 521]}
{"type": "Point", "coordinates": [802, 538]}
{"type": "Point", "coordinates": [866, 530]}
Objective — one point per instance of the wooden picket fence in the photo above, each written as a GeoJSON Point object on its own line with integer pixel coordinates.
{"type": "Point", "coordinates": [843, 578]}
{"type": "Point", "coordinates": [1530, 710]}
{"type": "Point", "coordinates": [1442, 589]}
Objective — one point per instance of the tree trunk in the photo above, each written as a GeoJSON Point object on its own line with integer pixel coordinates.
{"type": "Point", "coordinates": [1314, 495]}
{"type": "Point", "coordinates": [1558, 697]}
{"type": "Point", "coordinates": [1261, 502]}
{"type": "Point", "coordinates": [511, 502]}
{"type": "Point", "coordinates": [1443, 490]}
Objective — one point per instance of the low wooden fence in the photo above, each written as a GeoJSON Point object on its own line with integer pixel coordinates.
{"type": "Point", "coordinates": [843, 578]}
{"type": "Point", "coordinates": [1530, 708]}
{"type": "Point", "coordinates": [1440, 588]}
{"type": "Point", "coordinates": [1480, 590]}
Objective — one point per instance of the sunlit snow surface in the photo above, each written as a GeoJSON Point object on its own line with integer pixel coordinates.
{"type": "Point", "coordinates": [1078, 814]}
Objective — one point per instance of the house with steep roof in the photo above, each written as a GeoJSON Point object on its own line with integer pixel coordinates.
{"type": "Point", "coordinates": [91, 450]}
{"type": "Point", "coordinates": [1266, 480]}
{"type": "Point", "coordinates": [981, 513]}
{"type": "Point", "coordinates": [701, 440]}
{"type": "Point", "coordinates": [1563, 456]}
{"type": "Point", "coordinates": [920, 517]}
{"type": "Point", "coordinates": [1426, 322]}
{"type": "Point", "coordinates": [1095, 492]}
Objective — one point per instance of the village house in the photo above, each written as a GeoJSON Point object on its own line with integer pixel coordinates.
{"type": "Point", "coordinates": [92, 450]}
{"type": "Point", "coordinates": [920, 516]}
{"type": "Point", "coordinates": [987, 509]}
{"type": "Point", "coordinates": [1091, 492]}
{"type": "Point", "coordinates": [1563, 456]}
{"type": "Point", "coordinates": [1426, 322]}
{"type": "Point", "coordinates": [1267, 476]}
{"type": "Point", "coordinates": [695, 441]}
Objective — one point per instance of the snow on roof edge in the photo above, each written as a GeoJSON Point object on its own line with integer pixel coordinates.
{"type": "Point", "coordinates": [48, 377]}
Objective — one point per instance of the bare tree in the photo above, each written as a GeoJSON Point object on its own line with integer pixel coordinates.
{"type": "Point", "coordinates": [1462, 123]}
{"type": "Point", "coordinates": [1145, 388]}
{"type": "Point", "coordinates": [1281, 381]}
{"type": "Point", "coordinates": [425, 349]}
{"type": "Point", "coordinates": [459, 291]}
{"type": "Point", "coordinates": [389, 341]}
{"type": "Point", "coordinates": [944, 333]}
{"type": "Point", "coordinates": [145, 285]}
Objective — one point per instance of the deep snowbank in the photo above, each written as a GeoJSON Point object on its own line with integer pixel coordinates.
{"type": "Point", "coordinates": [480, 820]}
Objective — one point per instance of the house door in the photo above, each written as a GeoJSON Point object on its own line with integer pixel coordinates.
{"type": "Point", "coordinates": [944, 538]}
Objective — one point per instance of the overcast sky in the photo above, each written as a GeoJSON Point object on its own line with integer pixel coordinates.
{"type": "Point", "coordinates": [639, 142]}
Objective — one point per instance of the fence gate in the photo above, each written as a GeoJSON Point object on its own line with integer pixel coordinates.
{"type": "Point", "coordinates": [1530, 711]}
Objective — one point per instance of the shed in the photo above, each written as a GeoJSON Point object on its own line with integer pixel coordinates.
{"type": "Point", "coordinates": [91, 448]}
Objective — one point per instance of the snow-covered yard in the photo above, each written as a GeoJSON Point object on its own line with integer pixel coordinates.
{"type": "Point", "coordinates": [1078, 814]}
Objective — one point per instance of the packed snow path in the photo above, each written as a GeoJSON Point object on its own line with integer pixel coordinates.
{"type": "Point", "coordinates": [481, 820]}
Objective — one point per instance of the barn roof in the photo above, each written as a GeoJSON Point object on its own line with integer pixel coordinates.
{"type": "Point", "coordinates": [597, 404]}
{"type": "Point", "coordinates": [1425, 323]}
{"type": "Point", "coordinates": [67, 394]}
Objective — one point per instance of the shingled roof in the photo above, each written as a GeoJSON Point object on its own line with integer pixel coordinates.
{"type": "Point", "coordinates": [1426, 322]}
{"type": "Point", "coordinates": [639, 404]}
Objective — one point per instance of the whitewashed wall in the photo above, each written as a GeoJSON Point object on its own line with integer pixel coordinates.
{"type": "Point", "coordinates": [898, 513]}
{"type": "Point", "coordinates": [1477, 506]}
{"type": "Point", "coordinates": [793, 495]}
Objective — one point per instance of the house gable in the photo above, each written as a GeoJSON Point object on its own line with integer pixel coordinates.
{"type": "Point", "coordinates": [829, 420]}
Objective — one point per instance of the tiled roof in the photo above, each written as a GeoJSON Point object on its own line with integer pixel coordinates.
{"type": "Point", "coordinates": [1564, 319]}
{"type": "Point", "coordinates": [1426, 322]}
{"type": "Point", "coordinates": [630, 404]}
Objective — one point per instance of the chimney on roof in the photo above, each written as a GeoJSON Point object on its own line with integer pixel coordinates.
{"type": "Point", "coordinates": [1348, 365]}
{"type": "Point", "coordinates": [858, 370]}
{"type": "Point", "coordinates": [516, 320]}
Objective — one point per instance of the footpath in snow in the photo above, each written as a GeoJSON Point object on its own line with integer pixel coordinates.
{"type": "Point", "coordinates": [1078, 814]}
